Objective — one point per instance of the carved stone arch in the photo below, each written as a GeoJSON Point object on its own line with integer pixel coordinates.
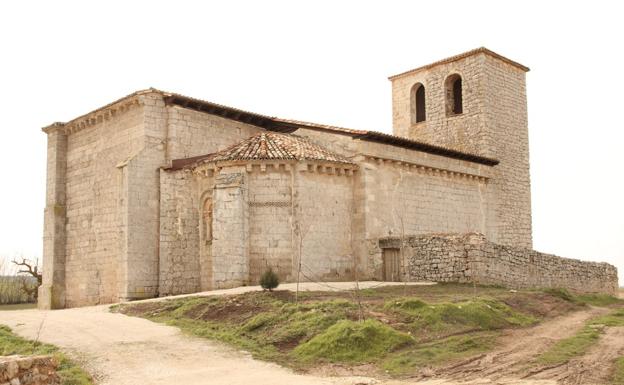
{"type": "Point", "coordinates": [206, 210]}
{"type": "Point", "coordinates": [417, 102]}
{"type": "Point", "coordinates": [453, 93]}
{"type": "Point", "coordinates": [205, 207]}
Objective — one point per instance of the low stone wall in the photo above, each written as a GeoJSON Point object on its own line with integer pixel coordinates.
{"type": "Point", "coordinates": [471, 257]}
{"type": "Point", "coordinates": [34, 370]}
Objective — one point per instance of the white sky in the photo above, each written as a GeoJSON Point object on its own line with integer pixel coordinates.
{"type": "Point", "coordinates": [326, 62]}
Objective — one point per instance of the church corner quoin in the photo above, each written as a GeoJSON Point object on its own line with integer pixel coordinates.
{"type": "Point", "coordinates": [159, 193]}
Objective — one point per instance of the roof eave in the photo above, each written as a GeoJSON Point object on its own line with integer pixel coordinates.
{"type": "Point", "coordinates": [380, 137]}
{"type": "Point", "coordinates": [481, 50]}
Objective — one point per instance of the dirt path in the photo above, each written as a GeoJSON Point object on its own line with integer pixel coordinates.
{"type": "Point", "coordinates": [122, 350]}
{"type": "Point", "coordinates": [518, 348]}
{"type": "Point", "coordinates": [593, 367]}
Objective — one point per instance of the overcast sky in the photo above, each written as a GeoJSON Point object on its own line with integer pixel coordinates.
{"type": "Point", "coordinates": [326, 62]}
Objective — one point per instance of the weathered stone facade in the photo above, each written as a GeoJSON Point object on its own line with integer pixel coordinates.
{"type": "Point", "coordinates": [493, 123]}
{"type": "Point", "coordinates": [158, 193]}
{"type": "Point", "coordinates": [472, 258]}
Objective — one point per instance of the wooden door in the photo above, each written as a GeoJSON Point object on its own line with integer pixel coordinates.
{"type": "Point", "coordinates": [391, 265]}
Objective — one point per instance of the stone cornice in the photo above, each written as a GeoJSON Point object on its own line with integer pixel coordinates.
{"type": "Point", "coordinates": [481, 50]}
{"type": "Point", "coordinates": [101, 114]}
{"type": "Point", "coordinates": [331, 168]}
{"type": "Point", "coordinates": [56, 126]}
{"type": "Point", "coordinates": [266, 122]}
{"type": "Point", "coordinates": [428, 169]}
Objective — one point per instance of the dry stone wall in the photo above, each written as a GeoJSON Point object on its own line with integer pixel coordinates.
{"type": "Point", "coordinates": [470, 257]}
{"type": "Point", "coordinates": [32, 370]}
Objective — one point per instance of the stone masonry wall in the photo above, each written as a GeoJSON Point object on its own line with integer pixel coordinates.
{"type": "Point", "coordinates": [52, 290]}
{"type": "Point", "coordinates": [179, 268]}
{"type": "Point", "coordinates": [324, 215]}
{"type": "Point", "coordinates": [470, 257]}
{"type": "Point", "coordinates": [95, 194]}
{"type": "Point", "coordinates": [464, 131]}
{"type": "Point", "coordinates": [193, 133]}
{"type": "Point", "coordinates": [230, 245]}
{"type": "Point", "coordinates": [270, 227]}
{"type": "Point", "coordinates": [507, 138]}
{"type": "Point", "coordinates": [400, 199]}
{"type": "Point", "coordinates": [493, 123]}
{"type": "Point", "coordinates": [416, 200]}
{"type": "Point", "coordinates": [31, 370]}
{"type": "Point", "coordinates": [140, 261]}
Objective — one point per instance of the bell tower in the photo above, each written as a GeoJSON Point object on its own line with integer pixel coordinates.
{"type": "Point", "coordinates": [475, 102]}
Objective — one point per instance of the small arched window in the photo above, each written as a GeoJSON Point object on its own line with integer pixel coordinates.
{"type": "Point", "coordinates": [418, 103]}
{"type": "Point", "coordinates": [454, 98]}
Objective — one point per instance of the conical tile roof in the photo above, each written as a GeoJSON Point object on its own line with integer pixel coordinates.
{"type": "Point", "coordinates": [268, 146]}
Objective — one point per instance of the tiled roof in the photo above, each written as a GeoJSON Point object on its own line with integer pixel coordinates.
{"type": "Point", "coordinates": [267, 146]}
{"type": "Point", "coordinates": [273, 124]}
{"type": "Point", "coordinates": [398, 141]}
{"type": "Point", "coordinates": [462, 56]}
{"type": "Point", "coordinates": [300, 123]}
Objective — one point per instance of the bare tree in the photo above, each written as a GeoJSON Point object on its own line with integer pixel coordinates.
{"type": "Point", "coordinates": [357, 288]}
{"type": "Point", "coordinates": [402, 251]}
{"type": "Point", "coordinates": [302, 232]}
{"type": "Point", "coordinates": [356, 277]}
{"type": "Point", "coordinates": [400, 215]}
{"type": "Point", "coordinates": [30, 268]}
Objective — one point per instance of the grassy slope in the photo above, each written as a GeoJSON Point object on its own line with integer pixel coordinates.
{"type": "Point", "coordinates": [405, 328]}
{"type": "Point", "coordinates": [69, 372]}
{"type": "Point", "coordinates": [350, 341]}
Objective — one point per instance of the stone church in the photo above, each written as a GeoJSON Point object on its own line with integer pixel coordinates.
{"type": "Point", "coordinates": [159, 193]}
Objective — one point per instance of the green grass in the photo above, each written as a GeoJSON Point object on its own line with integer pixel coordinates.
{"type": "Point", "coordinates": [564, 294]}
{"type": "Point", "coordinates": [601, 300]}
{"type": "Point", "coordinates": [68, 371]}
{"type": "Point", "coordinates": [425, 326]}
{"type": "Point", "coordinates": [18, 306]}
{"type": "Point", "coordinates": [443, 319]}
{"type": "Point", "coordinates": [615, 318]}
{"type": "Point", "coordinates": [571, 347]}
{"type": "Point", "coordinates": [412, 358]}
{"type": "Point", "coordinates": [578, 344]}
{"type": "Point", "coordinates": [618, 374]}
{"type": "Point", "coordinates": [353, 342]}
{"type": "Point", "coordinates": [257, 322]}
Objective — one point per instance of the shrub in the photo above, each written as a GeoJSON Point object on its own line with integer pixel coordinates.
{"type": "Point", "coordinates": [269, 280]}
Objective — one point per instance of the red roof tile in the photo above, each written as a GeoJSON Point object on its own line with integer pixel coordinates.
{"type": "Point", "coordinates": [267, 146]}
